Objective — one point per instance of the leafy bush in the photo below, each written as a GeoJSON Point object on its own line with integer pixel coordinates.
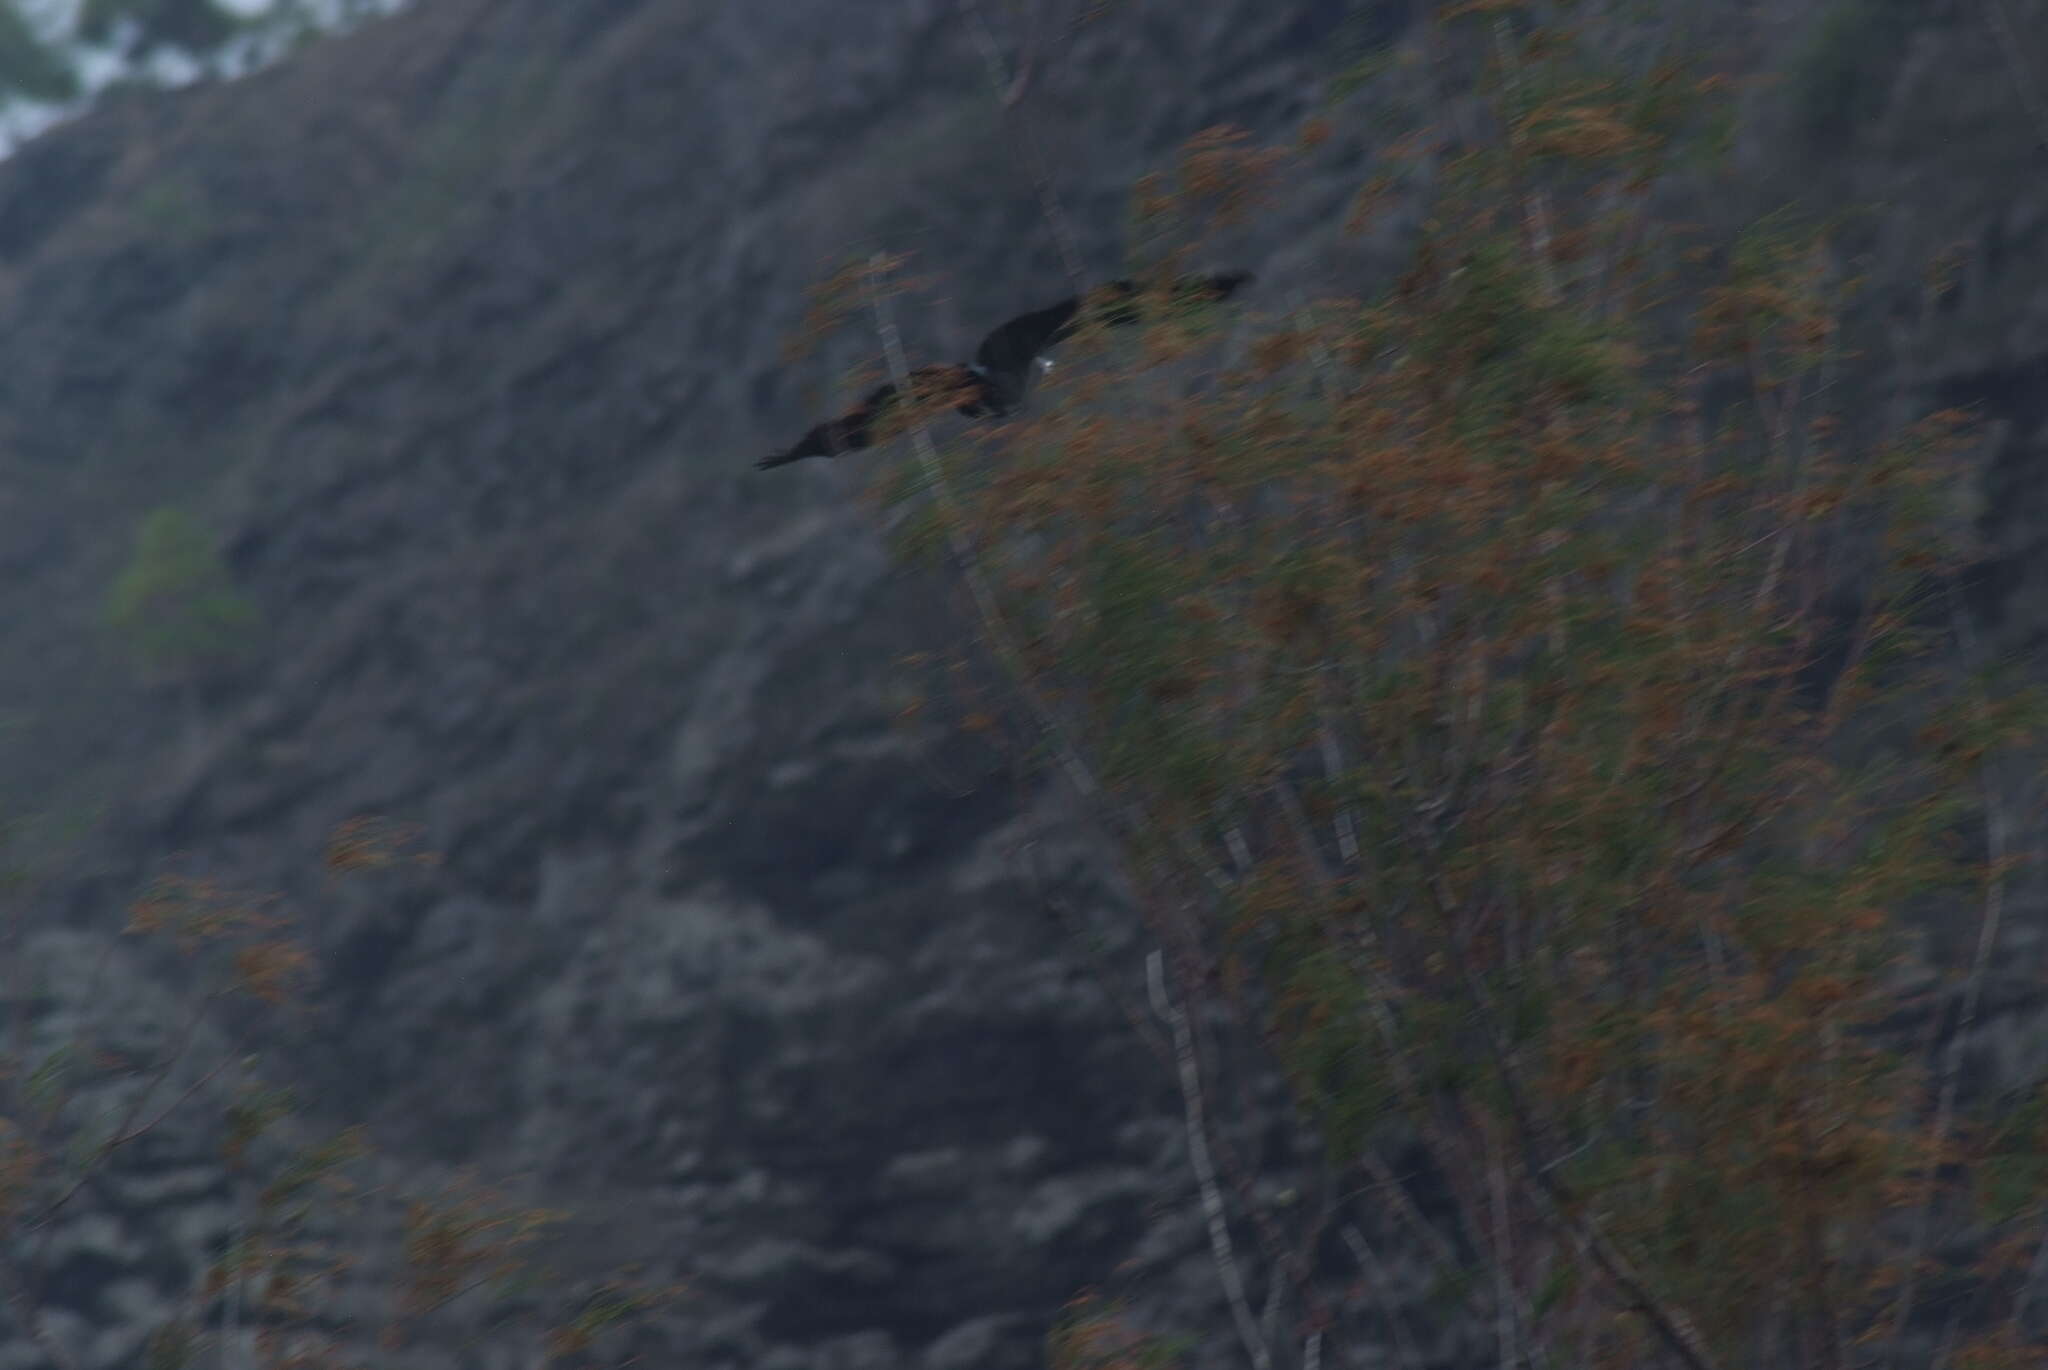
{"type": "Point", "coordinates": [1452, 690]}
{"type": "Point", "coordinates": [175, 605]}
{"type": "Point", "coordinates": [27, 67]}
{"type": "Point", "coordinates": [195, 25]}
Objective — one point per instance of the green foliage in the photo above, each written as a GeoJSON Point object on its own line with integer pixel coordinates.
{"type": "Point", "coordinates": [1508, 350]}
{"type": "Point", "coordinates": [1359, 52]}
{"type": "Point", "coordinates": [175, 606]}
{"type": "Point", "coordinates": [611, 1306]}
{"type": "Point", "coordinates": [1319, 1002]}
{"type": "Point", "coordinates": [1444, 669]}
{"type": "Point", "coordinates": [314, 1164]}
{"type": "Point", "coordinates": [1490, 305]}
{"type": "Point", "coordinates": [195, 25]}
{"type": "Point", "coordinates": [1562, 1283]}
{"type": "Point", "coordinates": [1573, 360]}
{"type": "Point", "coordinates": [919, 534]}
{"type": "Point", "coordinates": [2013, 1176]}
{"type": "Point", "coordinates": [1092, 1334]}
{"type": "Point", "coordinates": [1371, 62]}
{"type": "Point", "coordinates": [174, 209]}
{"type": "Point", "coordinates": [29, 68]}
{"type": "Point", "coordinates": [48, 1085]}
{"type": "Point", "coordinates": [254, 1111]}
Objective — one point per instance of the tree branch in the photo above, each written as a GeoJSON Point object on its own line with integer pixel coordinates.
{"type": "Point", "coordinates": [1205, 1170]}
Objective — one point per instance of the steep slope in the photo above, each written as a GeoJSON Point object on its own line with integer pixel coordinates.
{"type": "Point", "coordinates": [464, 331]}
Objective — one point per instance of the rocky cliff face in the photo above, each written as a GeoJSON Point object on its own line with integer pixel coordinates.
{"type": "Point", "coordinates": [465, 329]}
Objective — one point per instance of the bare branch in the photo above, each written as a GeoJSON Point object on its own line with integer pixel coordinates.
{"type": "Point", "coordinates": [1990, 918]}
{"type": "Point", "coordinates": [1009, 95]}
{"type": "Point", "coordinates": [1220, 1247]}
{"type": "Point", "coordinates": [1376, 1280]}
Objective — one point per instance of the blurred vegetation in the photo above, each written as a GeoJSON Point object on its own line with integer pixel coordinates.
{"type": "Point", "coordinates": [315, 1237]}
{"type": "Point", "coordinates": [29, 68]}
{"type": "Point", "coordinates": [1486, 734]}
{"type": "Point", "coordinates": [175, 209]}
{"type": "Point", "coordinates": [197, 26]}
{"type": "Point", "coordinates": [174, 606]}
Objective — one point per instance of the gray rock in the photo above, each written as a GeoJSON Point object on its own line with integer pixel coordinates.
{"type": "Point", "coordinates": [465, 348]}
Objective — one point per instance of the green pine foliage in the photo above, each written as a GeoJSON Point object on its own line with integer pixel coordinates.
{"type": "Point", "coordinates": [27, 66]}
{"type": "Point", "coordinates": [175, 606]}
{"type": "Point", "coordinates": [194, 25]}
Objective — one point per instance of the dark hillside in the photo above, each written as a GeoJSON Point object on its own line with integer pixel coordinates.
{"type": "Point", "coordinates": [463, 333]}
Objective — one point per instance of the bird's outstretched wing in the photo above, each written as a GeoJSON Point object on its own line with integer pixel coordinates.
{"type": "Point", "coordinates": [1006, 354]}
{"type": "Point", "coordinates": [996, 381]}
{"type": "Point", "coordinates": [849, 432]}
{"type": "Point", "coordinates": [860, 426]}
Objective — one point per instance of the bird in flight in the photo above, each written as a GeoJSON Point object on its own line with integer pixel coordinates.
{"type": "Point", "coordinates": [993, 384]}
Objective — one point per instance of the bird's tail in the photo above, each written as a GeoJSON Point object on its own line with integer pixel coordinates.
{"type": "Point", "coordinates": [774, 459]}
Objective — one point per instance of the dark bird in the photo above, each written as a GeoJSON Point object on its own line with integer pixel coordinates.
{"type": "Point", "coordinates": [993, 384]}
